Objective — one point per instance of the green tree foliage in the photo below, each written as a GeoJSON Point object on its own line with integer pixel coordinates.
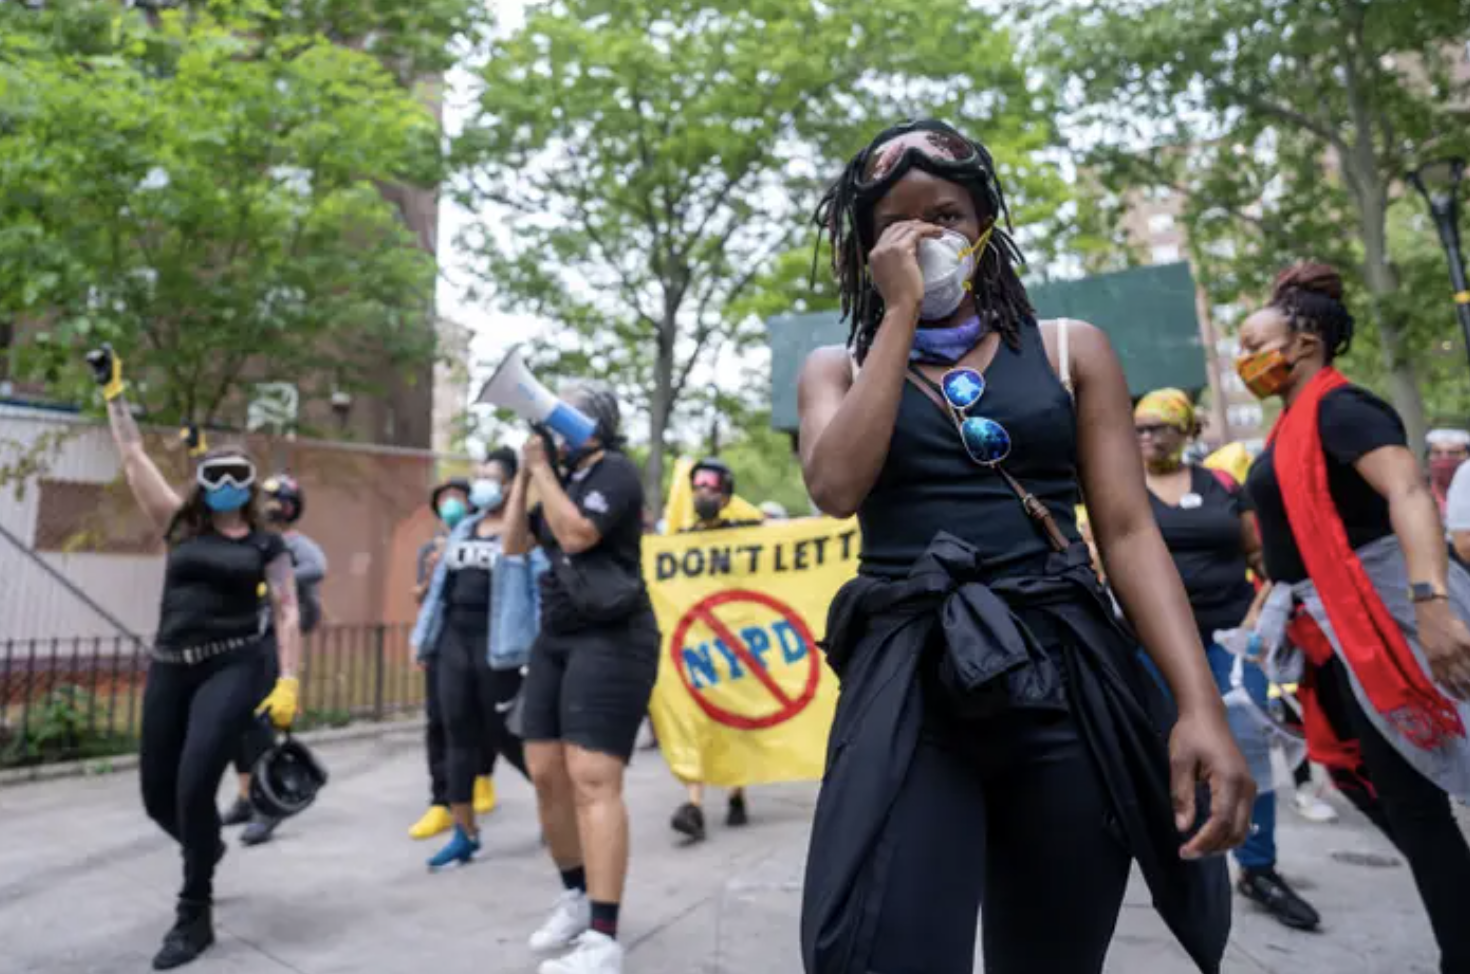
{"type": "Point", "coordinates": [1288, 127]}
{"type": "Point", "coordinates": [201, 187]}
{"type": "Point", "coordinates": [658, 156]}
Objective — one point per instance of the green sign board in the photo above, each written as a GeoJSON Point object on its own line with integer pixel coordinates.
{"type": "Point", "coordinates": [1148, 312]}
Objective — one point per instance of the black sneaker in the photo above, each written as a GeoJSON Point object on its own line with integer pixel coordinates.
{"type": "Point", "coordinates": [736, 816]}
{"type": "Point", "coordinates": [192, 933]}
{"type": "Point", "coordinates": [689, 821]}
{"type": "Point", "coordinates": [259, 830]}
{"type": "Point", "coordinates": [238, 813]}
{"type": "Point", "coordinates": [1266, 887]}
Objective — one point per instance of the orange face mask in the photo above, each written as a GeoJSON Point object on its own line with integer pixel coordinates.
{"type": "Point", "coordinates": [1264, 373]}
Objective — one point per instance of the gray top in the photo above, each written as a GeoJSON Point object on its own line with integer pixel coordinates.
{"type": "Point", "coordinates": [311, 561]}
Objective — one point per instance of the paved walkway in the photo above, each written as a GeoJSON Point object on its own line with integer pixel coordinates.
{"type": "Point", "coordinates": [86, 884]}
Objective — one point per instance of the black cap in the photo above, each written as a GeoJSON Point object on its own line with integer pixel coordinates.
{"type": "Point", "coordinates": [453, 483]}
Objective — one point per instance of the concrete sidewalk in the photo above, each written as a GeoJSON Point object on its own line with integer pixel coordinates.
{"type": "Point", "coordinates": [86, 884]}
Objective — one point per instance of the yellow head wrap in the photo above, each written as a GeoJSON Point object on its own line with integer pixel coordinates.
{"type": "Point", "coordinates": [1169, 406]}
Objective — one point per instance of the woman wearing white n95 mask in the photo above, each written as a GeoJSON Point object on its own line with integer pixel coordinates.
{"type": "Point", "coordinates": [454, 626]}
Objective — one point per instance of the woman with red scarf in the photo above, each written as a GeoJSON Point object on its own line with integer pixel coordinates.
{"type": "Point", "coordinates": [1348, 523]}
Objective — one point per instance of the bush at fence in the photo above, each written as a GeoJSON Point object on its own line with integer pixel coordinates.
{"type": "Point", "coordinates": [62, 727]}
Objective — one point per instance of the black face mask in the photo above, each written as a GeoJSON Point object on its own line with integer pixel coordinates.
{"type": "Point", "coordinates": [708, 508]}
{"type": "Point", "coordinates": [276, 515]}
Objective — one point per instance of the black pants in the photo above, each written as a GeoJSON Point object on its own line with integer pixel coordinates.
{"type": "Point", "coordinates": [435, 741]}
{"type": "Point", "coordinates": [434, 744]}
{"type": "Point", "coordinates": [1336, 701]}
{"type": "Point", "coordinates": [1422, 825]}
{"type": "Point", "coordinates": [1008, 815]}
{"type": "Point", "coordinates": [474, 701]}
{"type": "Point", "coordinates": [193, 721]}
{"type": "Point", "coordinates": [257, 738]}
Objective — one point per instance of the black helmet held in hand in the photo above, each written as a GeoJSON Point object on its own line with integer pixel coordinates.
{"type": "Point", "coordinates": [286, 779]}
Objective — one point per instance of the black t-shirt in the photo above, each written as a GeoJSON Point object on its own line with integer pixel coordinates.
{"type": "Point", "coordinates": [1204, 535]}
{"type": "Point", "coordinates": [1353, 423]}
{"type": "Point", "coordinates": [610, 495]}
{"type": "Point", "coordinates": [213, 588]}
{"type": "Point", "coordinates": [468, 565]}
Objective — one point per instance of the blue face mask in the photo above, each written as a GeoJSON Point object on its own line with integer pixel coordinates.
{"type": "Point", "coordinates": [486, 494]}
{"type": "Point", "coordinates": [226, 498]}
{"type": "Point", "coordinates": [452, 510]}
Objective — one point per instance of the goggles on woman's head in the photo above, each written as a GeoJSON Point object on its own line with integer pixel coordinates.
{"type": "Point", "coordinates": [225, 472]}
{"type": "Point", "coordinates": [933, 147]}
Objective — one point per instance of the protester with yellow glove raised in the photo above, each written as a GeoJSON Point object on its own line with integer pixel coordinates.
{"type": "Point", "coordinates": [209, 667]}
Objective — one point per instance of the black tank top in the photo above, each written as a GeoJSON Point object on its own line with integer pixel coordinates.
{"type": "Point", "coordinates": [929, 483]}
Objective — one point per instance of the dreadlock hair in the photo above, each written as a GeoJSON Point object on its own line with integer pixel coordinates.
{"type": "Point", "coordinates": [600, 404]}
{"type": "Point", "coordinates": [845, 216]}
{"type": "Point", "coordinates": [1310, 296]}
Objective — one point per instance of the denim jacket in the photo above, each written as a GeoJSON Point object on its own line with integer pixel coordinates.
{"type": "Point", "coordinates": [515, 604]}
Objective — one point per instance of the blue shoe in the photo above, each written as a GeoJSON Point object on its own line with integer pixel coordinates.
{"type": "Point", "coordinates": [461, 849]}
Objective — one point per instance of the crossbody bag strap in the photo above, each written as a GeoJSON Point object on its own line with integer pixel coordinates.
{"type": "Point", "coordinates": [1035, 509]}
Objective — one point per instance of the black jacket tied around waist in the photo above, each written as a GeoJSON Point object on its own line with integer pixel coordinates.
{"type": "Point", "coordinates": [988, 662]}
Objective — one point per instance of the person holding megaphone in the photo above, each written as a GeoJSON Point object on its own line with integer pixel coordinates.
{"type": "Point", "coordinates": [211, 663]}
{"type": "Point", "coordinates": [595, 660]}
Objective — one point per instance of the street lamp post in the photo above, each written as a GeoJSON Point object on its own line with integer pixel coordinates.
{"type": "Point", "coordinates": [1439, 184]}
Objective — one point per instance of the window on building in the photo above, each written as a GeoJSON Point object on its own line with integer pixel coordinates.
{"type": "Point", "coordinates": [1161, 223]}
{"type": "Point", "coordinates": [1165, 254]}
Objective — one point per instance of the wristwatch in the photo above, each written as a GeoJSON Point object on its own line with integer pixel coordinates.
{"type": "Point", "coordinates": [1425, 592]}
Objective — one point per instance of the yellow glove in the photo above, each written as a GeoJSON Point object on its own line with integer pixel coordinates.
{"type": "Point", "coordinates": [107, 371]}
{"type": "Point", "coordinates": [194, 440]}
{"type": "Point", "coordinates": [282, 702]}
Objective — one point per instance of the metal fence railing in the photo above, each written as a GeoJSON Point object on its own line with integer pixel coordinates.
{"type": "Point", "coordinates": [68, 699]}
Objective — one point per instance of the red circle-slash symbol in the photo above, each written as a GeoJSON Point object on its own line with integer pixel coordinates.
{"type": "Point", "coordinates": [787, 705]}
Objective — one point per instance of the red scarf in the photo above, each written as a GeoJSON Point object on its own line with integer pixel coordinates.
{"type": "Point", "coordinates": [1323, 744]}
{"type": "Point", "coordinates": [1371, 642]}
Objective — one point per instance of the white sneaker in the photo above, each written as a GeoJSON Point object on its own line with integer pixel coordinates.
{"type": "Point", "coordinates": [594, 953]}
{"type": "Point", "coordinates": [1310, 806]}
{"type": "Point", "coordinates": [571, 916]}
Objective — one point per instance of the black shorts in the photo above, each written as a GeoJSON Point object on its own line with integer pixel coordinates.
{"type": "Point", "coordinates": [591, 687]}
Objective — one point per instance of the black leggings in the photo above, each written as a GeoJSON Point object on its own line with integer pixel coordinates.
{"type": "Point", "coordinates": [474, 701]}
{"type": "Point", "coordinates": [193, 721]}
{"type": "Point", "coordinates": [257, 739]}
{"type": "Point", "coordinates": [1422, 825]}
{"type": "Point", "coordinates": [1008, 813]}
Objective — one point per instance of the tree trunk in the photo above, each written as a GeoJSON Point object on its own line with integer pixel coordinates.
{"type": "Point", "coordinates": [1364, 169]}
{"type": "Point", "coordinates": [660, 408]}
{"type": "Point", "coordinates": [1379, 274]}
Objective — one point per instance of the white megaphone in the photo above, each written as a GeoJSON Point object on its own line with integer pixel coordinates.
{"type": "Point", "coordinates": [513, 387]}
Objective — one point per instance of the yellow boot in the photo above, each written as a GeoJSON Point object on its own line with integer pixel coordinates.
{"type": "Point", "coordinates": [436, 820]}
{"type": "Point", "coordinates": [484, 795]}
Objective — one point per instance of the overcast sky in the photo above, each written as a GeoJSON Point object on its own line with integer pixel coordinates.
{"type": "Point", "coordinates": [494, 330]}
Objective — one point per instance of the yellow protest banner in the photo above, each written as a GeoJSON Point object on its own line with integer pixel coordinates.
{"type": "Point", "coordinates": [744, 696]}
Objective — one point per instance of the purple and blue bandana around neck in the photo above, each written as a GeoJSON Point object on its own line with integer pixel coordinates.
{"type": "Point", "coordinates": [946, 346]}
